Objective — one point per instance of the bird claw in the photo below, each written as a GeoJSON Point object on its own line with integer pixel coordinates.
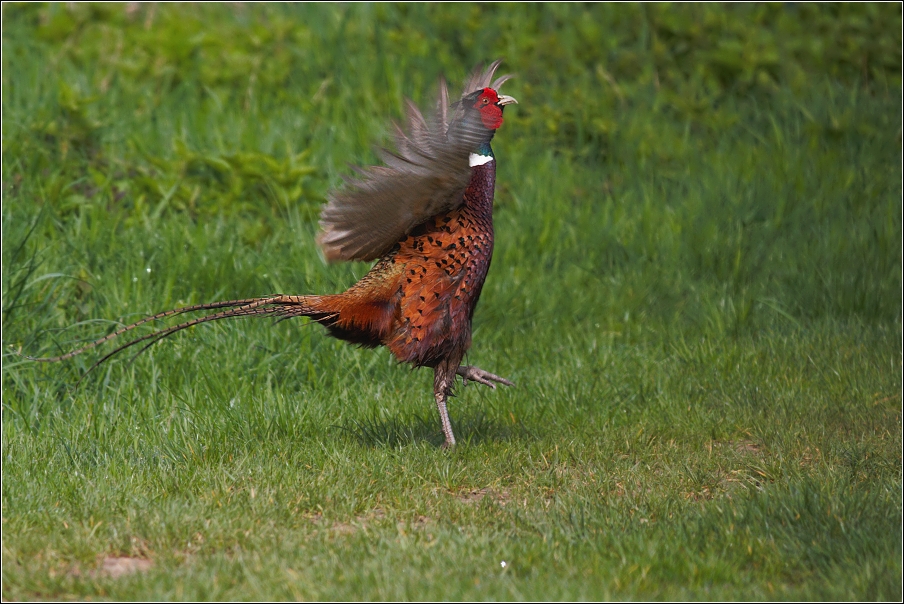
{"type": "Point", "coordinates": [476, 374]}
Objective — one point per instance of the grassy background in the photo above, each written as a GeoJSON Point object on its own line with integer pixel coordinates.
{"type": "Point", "coordinates": [696, 287]}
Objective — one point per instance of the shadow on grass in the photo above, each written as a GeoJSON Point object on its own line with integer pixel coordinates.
{"type": "Point", "coordinates": [398, 430]}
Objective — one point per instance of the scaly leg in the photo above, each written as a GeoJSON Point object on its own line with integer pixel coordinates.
{"type": "Point", "coordinates": [476, 374]}
{"type": "Point", "coordinates": [443, 378]}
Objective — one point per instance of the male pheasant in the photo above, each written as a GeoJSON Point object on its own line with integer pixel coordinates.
{"type": "Point", "coordinates": [427, 216]}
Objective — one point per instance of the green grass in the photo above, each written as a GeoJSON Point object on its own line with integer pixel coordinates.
{"type": "Point", "coordinates": [696, 287]}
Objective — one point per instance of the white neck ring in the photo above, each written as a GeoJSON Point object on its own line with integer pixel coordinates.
{"type": "Point", "coordinates": [478, 160]}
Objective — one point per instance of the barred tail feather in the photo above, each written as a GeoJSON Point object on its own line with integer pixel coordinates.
{"type": "Point", "coordinates": [278, 306]}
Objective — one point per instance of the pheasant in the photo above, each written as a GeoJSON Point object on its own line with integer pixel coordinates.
{"type": "Point", "coordinates": [426, 216]}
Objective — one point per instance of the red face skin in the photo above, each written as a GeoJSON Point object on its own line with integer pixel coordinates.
{"type": "Point", "coordinates": [490, 112]}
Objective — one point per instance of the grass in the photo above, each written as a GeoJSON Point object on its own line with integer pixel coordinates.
{"type": "Point", "coordinates": [696, 287]}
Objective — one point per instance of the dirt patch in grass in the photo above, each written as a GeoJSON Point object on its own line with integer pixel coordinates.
{"type": "Point", "coordinates": [347, 528]}
{"type": "Point", "coordinates": [114, 567]}
{"type": "Point", "coordinates": [746, 446]}
{"type": "Point", "coordinates": [365, 521]}
{"type": "Point", "coordinates": [475, 496]}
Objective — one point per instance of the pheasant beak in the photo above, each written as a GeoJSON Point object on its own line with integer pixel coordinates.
{"type": "Point", "coordinates": [506, 100]}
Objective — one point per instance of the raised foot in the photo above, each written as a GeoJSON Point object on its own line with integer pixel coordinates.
{"type": "Point", "coordinates": [476, 374]}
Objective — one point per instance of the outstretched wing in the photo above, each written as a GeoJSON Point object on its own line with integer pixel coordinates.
{"type": "Point", "coordinates": [426, 175]}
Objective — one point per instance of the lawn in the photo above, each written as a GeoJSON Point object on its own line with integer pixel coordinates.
{"type": "Point", "coordinates": [696, 288]}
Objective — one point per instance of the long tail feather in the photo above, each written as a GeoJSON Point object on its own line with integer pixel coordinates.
{"type": "Point", "coordinates": [280, 306]}
{"type": "Point", "coordinates": [282, 311]}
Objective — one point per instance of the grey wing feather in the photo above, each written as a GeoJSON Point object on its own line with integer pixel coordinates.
{"type": "Point", "coordinates": [426, 175]}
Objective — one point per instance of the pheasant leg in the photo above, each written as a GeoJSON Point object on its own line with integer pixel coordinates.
{"type": "Point", "coordinates": [476, 374]}
{"type": "Point", "coordinates": [443, 378]}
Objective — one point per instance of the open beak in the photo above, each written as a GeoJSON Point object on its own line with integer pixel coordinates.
{"type": "Point", "coordinates": [506, 100]}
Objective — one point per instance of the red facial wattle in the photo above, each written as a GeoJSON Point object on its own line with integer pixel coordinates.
{"type": "Point", "coordinates": [490, 112]}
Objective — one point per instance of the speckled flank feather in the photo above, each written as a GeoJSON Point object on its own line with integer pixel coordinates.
{"type": "Point", "coordinates": [420, 298]}
{"type": "Point", "coordinates": [446, 262]}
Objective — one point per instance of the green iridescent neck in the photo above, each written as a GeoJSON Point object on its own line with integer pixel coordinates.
{"type": "Point", "coordinates": [485, 150]}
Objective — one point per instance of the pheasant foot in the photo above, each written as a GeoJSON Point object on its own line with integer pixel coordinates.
{"type": "Point", "coordinates": [476, 374]}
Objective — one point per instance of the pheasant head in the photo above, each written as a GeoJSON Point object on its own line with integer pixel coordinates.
{"type": "Point", "coordinates": [489, 105]}
{"type": "Point", "coordinates": [478, 113]}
